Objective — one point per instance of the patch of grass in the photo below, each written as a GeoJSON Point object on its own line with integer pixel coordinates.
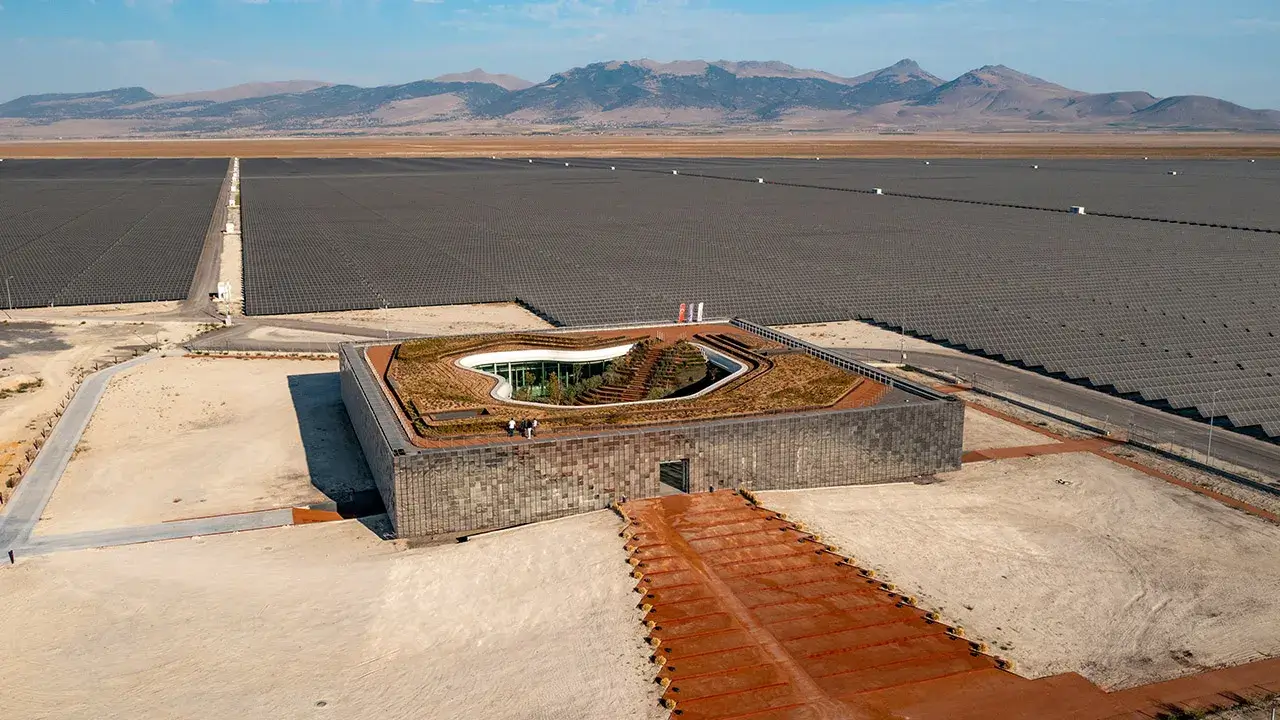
{"type": "Point", "coordinates": [21, 388]}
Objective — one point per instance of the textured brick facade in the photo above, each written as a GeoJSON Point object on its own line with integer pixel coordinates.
{"type": "Point", "coordinates": [511, 482]}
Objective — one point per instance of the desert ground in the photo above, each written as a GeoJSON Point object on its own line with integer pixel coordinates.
{"type": "Point", "coordinates": [40, 361]}
{"type": "Point", "coordinates": [866, 144]}
{"type": "Point", "coordinates": [984, 432]}
{"type": "Point", "coordinates": [1068, 563]}
{"type": "Point", "coordinates": [435, 320]}
{"type": "Point", "coordinates": [327, 620]}
{"type": "Point", "coordinates": [183, 437]}
{"type": "Point", "coordinates": [859, 335]}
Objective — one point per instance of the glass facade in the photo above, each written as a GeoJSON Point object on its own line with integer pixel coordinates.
{"type": "Point", "coordinates": [533, 377]}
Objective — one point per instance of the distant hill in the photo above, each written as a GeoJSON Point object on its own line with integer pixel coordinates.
{"type": "Point", "coordinates": [64, 106]}
{"type": "Point", "coordinates": [248, 90]}
{"type": "Point", "coordinates": [994, 90]}
{"type": "Point", "coordinates": [684, 94]}
{"type": "Point", "coordinates": [506, 82]}
{"type": "Point", "coordinates": [1197, 111]}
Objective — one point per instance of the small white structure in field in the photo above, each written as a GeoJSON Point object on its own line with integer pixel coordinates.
{"type": "Point", "coordinates": [760, 180]}
{"type": "Point", "coordinates": [224, 291]}
{"type": "Point", "coordinates": [877, 191]}
{"type": "Point", "coordinates": [611, 167]}
{"type": "Point", "coordinates": [1035, 167]}
{"type": "Point", "coordinates": [1251, 160]}
{"type": "Point", "coordinates": [566, 164]}
{"type": "Point", "coordinates": [1077, 210]}
{"type": "Point", "coordinates": [926, 162]}
{"type": "Point", "coordinates": [1173, 172]}
{"type": "Point", "coordinates": [675, 172]}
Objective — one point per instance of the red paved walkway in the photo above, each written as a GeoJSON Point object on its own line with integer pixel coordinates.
{"type": "Point", "coordinates": [750, 617]}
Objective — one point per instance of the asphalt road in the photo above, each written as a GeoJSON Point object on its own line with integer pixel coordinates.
{"type": "Point", "coordinates": [1233, 447]}
{"type": "Point", "coordinates": [205, 279]}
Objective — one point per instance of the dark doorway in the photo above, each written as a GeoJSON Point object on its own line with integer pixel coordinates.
{"type": "Point", "coordinates": [675, 474]}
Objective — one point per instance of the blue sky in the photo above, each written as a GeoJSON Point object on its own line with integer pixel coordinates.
{"type": "Point", "coordinates": [1226, 48]}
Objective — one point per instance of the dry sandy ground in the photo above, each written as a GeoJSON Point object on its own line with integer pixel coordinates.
{"type": "Point", "coordinates": [858, 335]}
{"type": "Point", "coordinates": [190, 437]}
{"type": "Point", "coordinates": [1110, 573]}
{"type": "Point", "coordinates": [536, 622]}
{"type": "Point", "coordinates": [57, 354]}
{"type": "Point", "coordinates": [435, 320]}
{"type": "Point", "coordinates": [82, 312]}
{"type": "Point", "coordinates": [984, 432]}
{"type": "Point", "coordinates": [864, 144]}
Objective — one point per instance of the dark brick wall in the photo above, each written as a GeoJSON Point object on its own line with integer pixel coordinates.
{"type": "Point", "coordinates": [365, 403]}
{"type": "Point", "coordinates": [470, 489]}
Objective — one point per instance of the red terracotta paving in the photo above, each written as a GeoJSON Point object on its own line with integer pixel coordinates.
{"type": "Point", "coordinates": [752, 617]}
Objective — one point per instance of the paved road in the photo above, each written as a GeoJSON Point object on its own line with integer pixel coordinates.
{"type": "Point", "coordinates": [28, 502]}
{"type": "Point", "coordinates": [43, 545]}
{"type": "Point", "coordinates": [1227, 445]}
{"type": "Point", "coordinates": [205, 279]}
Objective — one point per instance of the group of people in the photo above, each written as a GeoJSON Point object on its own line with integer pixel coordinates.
{"type": "Point", "coordinates": [526, 427]}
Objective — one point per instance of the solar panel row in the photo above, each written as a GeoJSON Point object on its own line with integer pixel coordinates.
{"type": "Point", "coordinates": [1162, 313]}
{"type": "Point", "coordinates": [81, 232]}
{"type": "Point", "coordinates": [1230, 193]}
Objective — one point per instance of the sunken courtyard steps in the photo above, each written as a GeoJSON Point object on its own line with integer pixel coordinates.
{"type": "Point", "coordinates": [637, 387]}
{"type": "Point", "coordinates": [751, 616]}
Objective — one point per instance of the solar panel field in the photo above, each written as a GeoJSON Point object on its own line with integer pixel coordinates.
{"type": "Point", "coordinates": [1229, 193]}
{"type": "Point", "coordinates": [79, 232]}
{"type": "Point", "coordinates": [1175, 315]}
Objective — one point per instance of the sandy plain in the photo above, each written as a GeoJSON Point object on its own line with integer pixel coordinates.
{"type": "Point", "coordinates": [428, 320]}
{"type": "Point", "coordinates": [54, 356]}
{"type": "Point", "coordinates": [858, 335]}
{"type": "Point", "coordinates": [865, 144]}
{"type": "Point", "coordinates": [328, 621]}
{"type": "Point", "coordinates": [984, 432]}
{"type": "Point", "coordinates": [1068, 563]}
{"type": "Point", "coordinates": [183, 437]}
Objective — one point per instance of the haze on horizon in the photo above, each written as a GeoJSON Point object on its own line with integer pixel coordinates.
{"type": "Point", "coordinates": [1166, 47]}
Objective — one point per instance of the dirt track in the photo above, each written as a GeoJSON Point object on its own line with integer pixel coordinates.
{"type": "Point", "coordinates": [935, 145]}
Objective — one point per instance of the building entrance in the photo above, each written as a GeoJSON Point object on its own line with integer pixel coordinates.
{"type": "Point", "coordinates": [675, 474]}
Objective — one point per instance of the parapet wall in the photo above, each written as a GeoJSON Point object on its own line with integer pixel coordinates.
{"type": "Point", "coordinates": [469, 488]}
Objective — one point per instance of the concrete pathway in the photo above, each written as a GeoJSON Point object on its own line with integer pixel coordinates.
{"type": "Point", "coordinates": [44, 545]}
{"type": "Point", "coordinates": [28, 502]}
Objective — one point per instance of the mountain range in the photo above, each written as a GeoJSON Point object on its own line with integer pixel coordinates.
{"type": "Point", "coordinates": [688, 95]}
